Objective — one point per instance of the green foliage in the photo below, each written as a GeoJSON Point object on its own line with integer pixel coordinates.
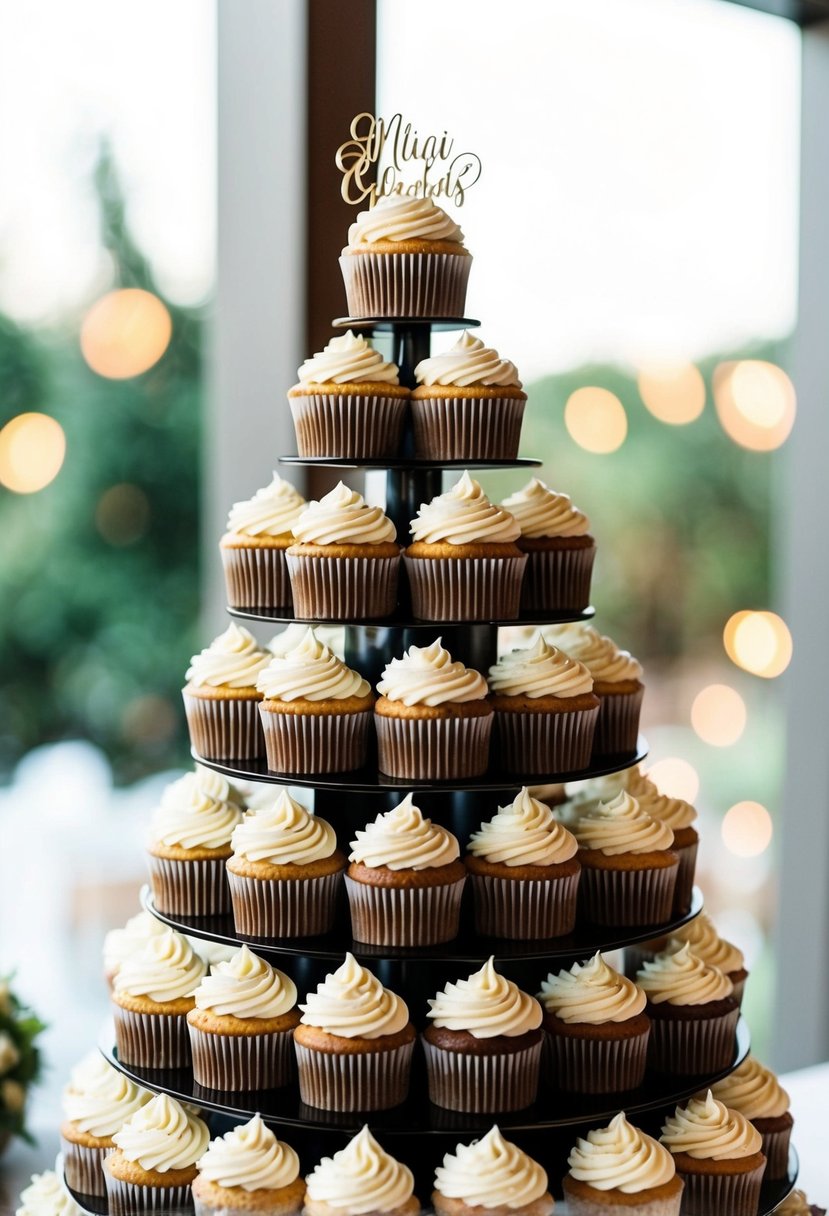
{"type": "Point", "coordinates": [20, 1027]}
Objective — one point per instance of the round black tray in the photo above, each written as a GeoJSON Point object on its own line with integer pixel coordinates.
{"type": "Point", "coordinates": [394, 463]}
{"type": "Point", "coordinates": [390, 324]}
{"type": "Point", "coordinates": [282, 616]}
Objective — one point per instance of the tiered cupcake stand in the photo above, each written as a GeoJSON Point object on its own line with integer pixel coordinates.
{"type": "Point", "coordinates": [418, 1132]}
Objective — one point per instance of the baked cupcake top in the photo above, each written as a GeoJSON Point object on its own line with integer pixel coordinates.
{"type": "Point", "coordinates": [348, 359]}
{"type": "Point", "coordinates": [163, 1136]}
{"type": "Point", "coordinates": [591, 993]}
{"type": "Point", "coordinates": [621, 826]}
{"type": "Point", "coordinates": [539, 670]}
{"type": "Point", "coordinates": [343, 517]}
{"type": "Point", "coordinates": [166, 969]}
{"type": "Point", "coordinates": [676, 812]}
{"type": "Point", "coordinates": [99, 1099]}
{"type": "Point", "coordinates": [232, 660]}
{"type": "Point", "coordinates": [310, 672]}
{"type": "Point", "coordinates": [402, 839]}
{"type": "Point", "coordinates": [599, 654]}
{"type": "Point", "coordinates": [46, 1196]}
{"type": "Point", "coordinates": [190, 817]}
{"type": "Point", "coordinates": [283, 832]}
{"type": "Point", "coordinates": [402, 218]}
{"type": "Point", "coordinates": [271, 512]}
{"type": "Point", "coordinates": [620, 1158]}
{"type": "Point", "coordinates": [246, 987]}
{"type": "Point", "coordinates": [360, 1178]}
{"type": "Point", "coordinates": [491, 1173]}
{"type": "Point", "coordinates": [542, 512]}
{"type": "Point", "coordinates": [525, 833]}
{"type": "Point", "coordinates": [120, 944]}
{"type": "Point", "coordinates": [249, 1156]}
{"type": "Point", "coordinates": [753, 1090]}
{"type": "Point", "coordinates": [679, 977]}
{"type": "Point", "coordinates": [428, 675]}
{"type": "Point", "coordinates": [708, 1131]}
{"type": "Point", "coordinates": [463, 516]}
{"type": "Point", "coordinates": [466, 363]}
{"type": "Point", "coordinates": [486, 1004]}
{"type": "Point", "coordinates": [353, 1004]}
{"type": "Point", "coordinates": [706, 943]}
{"type": "Point", "coordinates": [208, 781]}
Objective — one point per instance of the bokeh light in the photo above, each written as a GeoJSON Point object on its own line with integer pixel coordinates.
{"type": "Point", "coordinates": [122, 514]}
{"type": "Point", "coordinates": [718, 715]}
{"type": "Point", "coordinates": [676, 778]}
{"type": "Point", "coordinates": [149, 719]}
{"type": "Point", "coordinates": [125, 333]}
{"type": "Point", "coordinates": [596, 420]}
{"type": "Point", "coordinates": [747, 829]}
{"type": "Point", "coordinates": [756, 403]}
{"type": "Point", "coordinates": [32, 451]}
{"type": "Point", "coordinates": [673, 392]}
{"type": "Point", "coordinates": [758, 642]}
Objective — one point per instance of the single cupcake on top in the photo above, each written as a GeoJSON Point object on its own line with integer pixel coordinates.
{"type": "Point", "coordinates": [680, 817]}
{"type": "Point", "coordinates": [152, 995]}
{"type": "Point", "coordinates": [617, 682]}
{"type": "Point", "coordinates": [349, 402]}
{"type": "Point", "coordinates": [46, 1196]}
{"type": "Point", "coordinates": [491, 1177]}
{"type": "Point", "coordinates": [405, 880]}
{"type": "Point", "coordinates": [221, 699]}
{"type": "Point", "coordinates": [524, 872]}
{"type": "Point", "coordinates": [248, 1170]}
{"type": "Point", "coordinates": [555, 535]}
{"type": "Point", "coordinates": [344, 559]}
{"type": "Point", "coordinates": [359, 1180]}
{"type": "Point", "coordinates": [755, 1092]}
{"type": "Point", "coordinates": [483, 1044]}
{"type": "Point", "coordinates": [120, 944]}
{"type": "Point", "coordinates": [718, 1155]}
{"type": "Point", "coordinates": [468, 404]}
{"type": "Point", "coordinates": [253, 548]}
{"type": "Point", "coordinates": [96, 1103]}
{"type": "Point", "coordinates": [618, 1169]}
{"type": "Point", "coordinates": [154, 1163]}
{"type": "Point", "coordinates": [354, 1043]}
{"type": "Point", "coordinates": [463, 563]}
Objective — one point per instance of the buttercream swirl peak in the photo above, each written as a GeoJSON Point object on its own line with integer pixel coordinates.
{"type": "Point", "coordinates": [542, 512]}
{"type": "Point", "coordinates": [709, 1131]}
{"type": "Point", "coordinates": [283, 832]}
{"type": "Point", "coordinates": [208, 781]}
{"type": "Point", "coordinates": [753, 1090]}
{"type": "Point", "coordinates": [249, 1156]}
{"type": "Point", "coordinates": [191, 817]}
{"type": "Point", "coordinates": [621, 826]}
{"type": "Point", "coordinates": [352, 1003]}
{"type": "Point", "coordinates": [679, 977]}
{"type": "Point", "coordinates": [620, 1158]}
{"type": "Point", "coordinates": [466, 363]}
{"type": "Point", "coordinates": [396, 218]}
{"type": "Point", "coordinates": [540, 670]}
{"type": "Point", "coordinates": [120, 944]}
{"type": "Point", "coordinates": [464, 516]}
{"type": "Point", "coordinates": [428, 675]}
{"type": "Point", "coordinates": [491, 1173]}
{"type": "Point", "coordinates": [605, 660]}
{"type": "Point", "coordinates": [270, 512]}
{"type": "Point", "coordinates": [163, 1136]}
{"type": "Point", "coordinates": [525, 833]}
{"type": "Point", "coordinates": [360, 1178]}
{"type": "Point", "coordinates": [310, 672]}
{"type": "Point", "coordinates": [486, 1004]}
{"type": "Point", "coordinates": [676, 812]}
{"type": "Point", "coordinates": [99, 1098]}
{"type": "Point", "coordinates": [591, 993]}
{"type": "Point", "coordinates": [401, 839]}
{"type": "Point", "coordinates": [343, 517]}
{"type": "Point", "coordinates": [46, 1196]}
{"type": "Point", "coordinates": [348, 359]}
{"type": "Point", "coordinates": [245, 986]}
{"type": "Point", "coordinates": [702, 936]}
{"type": "Point", "coordinates": [166, 969]}
{"type": "Point", "coordinates": [232, 660]}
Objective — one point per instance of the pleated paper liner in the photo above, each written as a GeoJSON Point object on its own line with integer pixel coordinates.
{"type": "Point", "coordinates": [467, 428]}
{"type": "Point", "coordinates": [544, 742]}
{"type": "Point", "coordinates": [712, 1194]}
{"type": "Point", "coordinates": [617, 726]}
{"type": "Point", "coordinates": [626, 898]}
{"type": "Point", "coordinates": [404, 916]}
{"type": "Point", "coordinates": [686, 1046]}
{"type": "Point", "coordinates": [581, 1064]}
{"type": "Point", "coordinates": [684, 889]}
{"type": "Point", "coordinates": [189, 888]}
{"type": "Point", "coordinates": [151, 1040]}
{"type": "Point", "coordinates": [343, 588]}
{"type": "Point", "coordinates": [83, 1167]}
{"type": "Point", "coordinates": [276, 908]}
{"type": "Point", "coordinates": [315, 743]}
{"type": "Point", "coordinates": [525, 909]}
{"type": "Point", "coordinates": [348, 426]}
{"type": "Point", "coordinates": [405, 284]}
{"type": "Point", "coordinates": [558, 579]}
{"type": "Point", "coordinates": [374, 1080]}
{"type": "Point", "coordinates": [635, 1204]}
{"type": "Point", "coordinates": [465, 589]}
{"type": "Point", "coordinates": [256, 577]}
{"type": "Point", "coordinates": [776, 1143]}
{"type": "Point", "coordinates": [131, 1199]}
{"type": "Point", "coordinates": [436, 749]}
{"type": "Point", "coordinates": [238, 1063]}
{"type": "Point", "coordinates": [482, 1084]}
{"type": "Point", "coordinates": [224, 728]}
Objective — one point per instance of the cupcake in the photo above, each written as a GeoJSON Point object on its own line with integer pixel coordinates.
{"type": "Point", "coordinates": [432, 718]}
{"type": "Point", "coordinates": [555, 535]}
{"type": "Point", "coordinates": [247, 1170]}
{"type": "Point", "coordinates": [285, 872]}
{"type": "Point", "coordinates": [618, 1169]}
{"type": "Point", "coordinates": [795, 1204]}
{"type": "Point", "coordinates": [241, 1029]}
{"type": "Point", "coordinates": [755, 1092]}
{"type": "Point", "coordinates": [706, 943]}
{"type": "Point", "coordinates": [483, 1044]}
{"type": "Point", "coordinates": [468, 404]}
{"type": "Point", "coordinates": [121, 944]}
{"type": "Point", "coordinates": [97, 1102]}
{"type": "Point", "coordinates": [693, 1014]}
{"type": "Point", "coordinates": [46, 1196]}
{"type": "Point", "coordinates": [490, 1177]}
{"type": "Point", "coordinates": [617, 682]}
{"type": "Point", "coordinates": [597, 1029]}
{"type": "Point", "coordinates": [221, 699]}
{"type": "Point", "coordinates": [524, 872]}
{"type": "Point", "coordinates": [404, 880]}
{"type": "Point", "coordinates": [545, 710]}
{"type": "Point", "coordinates": [680, 817]}
{"type": "Point", "coordinates": [344, 559]}
{"type": "Point", "coordinates": [154, 1163]}
{"type": "Point", "coordinates": [349, 403]}
{"type": "Point", "coordinates": [253, 548]}
{"type": "Point", "coordinates": [405, 258]}
{"type": "Point", "coordinates": [151, 997]}
{"type": "Point", "coordinates": [315, 711]}
{"type": "Point", "coordinates": [360, 1179]}
{"type": "Point", "coordinates": [463, 563]}
{"type": "Point", "coordinates": [628, 864]}
{"type": "Point", "coordinates": [718, 1155]}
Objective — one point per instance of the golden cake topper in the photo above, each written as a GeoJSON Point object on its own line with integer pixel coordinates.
{"type": "Point", "coordinates": [385, 157]}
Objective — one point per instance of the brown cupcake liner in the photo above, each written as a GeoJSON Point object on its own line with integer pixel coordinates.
{"type": "Point", "coordinates": [465, 589]}
{"type": "Point", "coordinates": [739, 991]}
{"type": "Point", "coordinates": [189, 888]}
{"type": "Point", "coordinates": [776, 1149]}
{"type": "Point", "coordinates": [404, 916]}
{"type": "Point", "coordinates": [545, 743]}
{"type": "Point", "coordinates": [346, 425]}
{"type": "Point", "coordinates": [83, 1167]}
{"type": "Point", "coordinates": [374, 1080]}
{"type": "Point", "coordinates": [224, 728]}
{"type": "Point", "coordinates": [627, 897]}
{"type": "Point", "coordinates": [668, 1205]}
{"type": "Point", "coordinates": [734, 1194]}
{"type": "Point", "coordinates": [684, 889]}
{"type": "Point", "coordinates": [467, 428]}
{"type": "Point", "coordinates": [343, 588]}
{"type": "Point", "coordinates": [482, 1084]}
{"type": "Point", "coordinates": [692, 1046]}
{"type": "Point", "coordinates": [270, 908]}
{"type": "Point", "coordinates": [558, 580]}
{"type": "Point", "coordinates": [151, 1040]}
{"type": "Point", "coordinates": [316, 743]}
{"type": "Point", "coordinates": [242, 1062]}
{"type": "Point", "coordinates": [525, 910]}
{"type": "Point", "coordinates": [617, 726]}
{"type": "Point", "coordinates": [433, 749]}
{"type": "Point", "coordinates": [405, 284]}
{"type": "Point", "coordinates": [256, 577]}
{"type": "Point", "coordinates": [132, 1199]}
{"type": "Point", "coordinates": [595, 1066]}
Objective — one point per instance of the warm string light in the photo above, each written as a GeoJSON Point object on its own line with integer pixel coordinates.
{"type": "Point", "coordinates": [756, 403]}
{"type": "Point", "coordinates": [747, 829]}
{"type": "Point", "coordinates": [676, 778]}
{"type": "Point", "coordinates": [125, 333]}
{"type": "Point", "coordinates": [32, 451]}
{"type": "Point", "coordinates": [759, 642]}
{"type": "Point", "coordinates": [673, 392]}
{"type": "Point", "coordinates": [596, 420]}
{"type": "Point", "coordinates": [718, 715]}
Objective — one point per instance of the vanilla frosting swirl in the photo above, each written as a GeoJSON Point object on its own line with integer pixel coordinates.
{"type": "Point", "coordinates": [491, 1173]}
{"type": "Point", "coordinates": [311, 672]}
{"type": "Point", "coordinates": [246, 987]}
{"type": "Point", "coordinates": [208, 781]}
{"type": "Point", "coordinates": [352, 1003]}
{"type": "Point", "coordinates": [232, 660]}
{"type": "Point", "coordinates": [486, 1004]}
{"type": "Point", "coordinates": [396, 218]}
{"type": "Point", "coordinates": [283, 832]}
{"type": "Point", "coordinates": [166, 969]}
{"type": "Point", "coordinates": [343, 517]}
{"type": "Point", "coordinates": [539, 670]}
{"type": "Point", "coordinates": [753, 1090]}
{"type": "Point", "coordinates": [543, 512]}
{"type": "Point", "coordinates": [463, 516]}
{"type": "Point", "coordinates": [679, 977]}
{"type": "Point", "coordinates": [591, 993]}
{"type": "Point", "coordinates": [99, 1098]}
{"type": "Point", "coordinates": [46, 1196]}
{"type": "Point", "coordinates": [599, 654]}
{"type": "Point", "coordinates": [360, 1178]}
{"type": "Point", "coordinates": [703, 938]}
{"type": "Point", "coordinates": [621, 826]}
{"type": "Point", "coordinates": [163, 1136]}
{"type": "Point", "coordinates": [402, 839]}
{"type": "Point", "coordinates": [620, 1158]}
{"type": "Point", "coordinates": [120, 944]}
{"type": "Point", "coordinates": [348, 359]}
{"type": "Point", "coordinates": [190, 817]}
{"type": "Point", "coordinates": [676, 812]}
{"type": "Point", "coordinates": [249, 1156]}
{"type": "Point", "coordinates": [271, 512]}
{"type": "Point", "coordinates": [428, 675]}
{"type": "Point", "coordinates": [525, 833]}
{"type": "Point", "coordinates": [708, 1131]}
{"type": "Point", "coordinates": [466, 363]}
